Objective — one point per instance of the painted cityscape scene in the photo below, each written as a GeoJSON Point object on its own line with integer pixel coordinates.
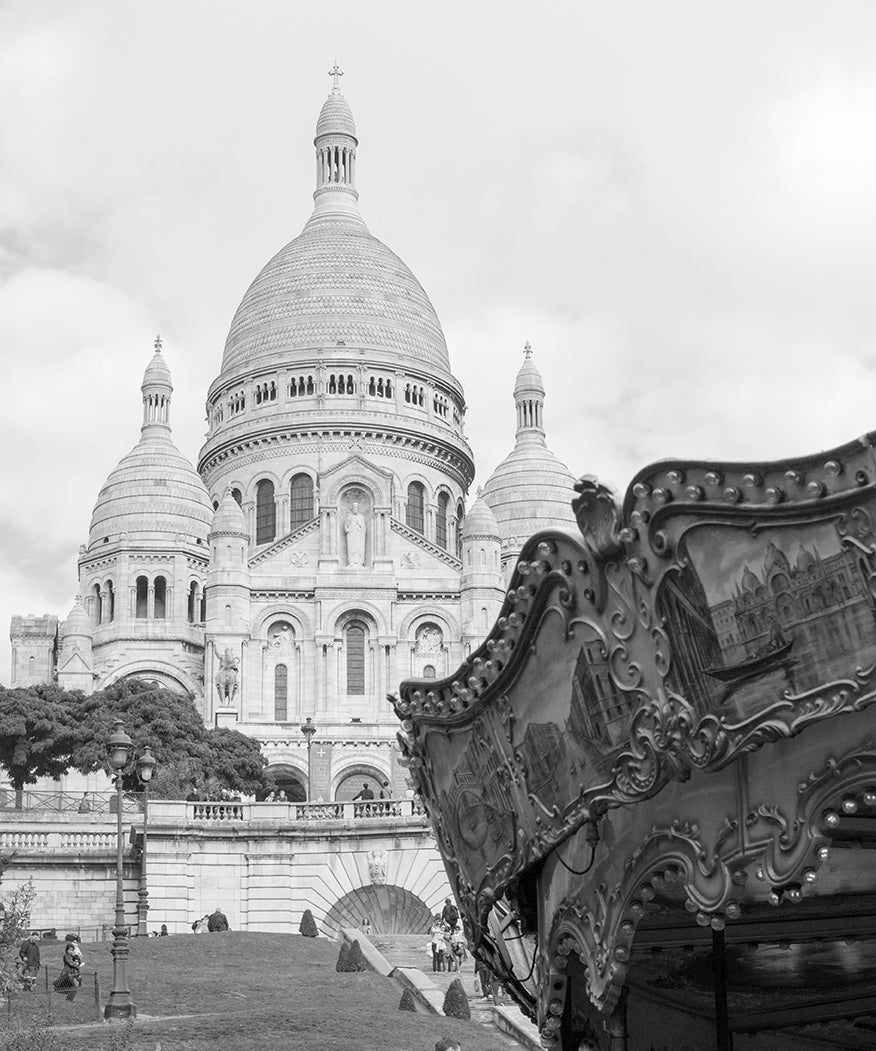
{"type": "Point", "coordinates": [754, 617]}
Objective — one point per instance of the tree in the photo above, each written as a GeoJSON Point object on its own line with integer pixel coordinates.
{"type": "Point", "coordinates": [188, 755]}
{"type": "Point", "coordinates": [169, 723]}
{"type": "Point", "coordinates": [37, 734]}
{"type": "Point", "coordinates": [236, 761]}
{"type": "Point", "coordinates": [14, 925]}
{"type": "Point", "coordinates": [343, 956]}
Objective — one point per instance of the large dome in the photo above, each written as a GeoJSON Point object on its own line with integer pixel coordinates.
{"type": "Point", "coordinates": [334, 285]}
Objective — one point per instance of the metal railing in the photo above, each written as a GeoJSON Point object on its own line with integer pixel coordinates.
{"type": "Point", "coordinates": [36, 1001]}
{"type": "Point", "coordinates": [71, 802]}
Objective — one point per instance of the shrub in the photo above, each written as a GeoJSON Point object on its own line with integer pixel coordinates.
{"type": "Point", "coordinates": [343, 956]}
{"type": "Point", "coordinates": [355, 960]}
{"type": "Point", "coordinates": [456, 1002]}
{"type": "Point", "coordinates": [307, 927]}
{"type": "Point", "coordinates": [407, 1002]}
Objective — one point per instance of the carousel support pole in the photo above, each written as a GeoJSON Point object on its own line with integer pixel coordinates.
{"type": "Point", "coordinates": [723, 1037]}
{"type": "Point", "coordinates": [617, 1024]}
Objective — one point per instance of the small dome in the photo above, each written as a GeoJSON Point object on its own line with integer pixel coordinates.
{"type": "Point", "coordinates": [480, 521]}
{"type": "Point", "coordinates": [529, 491]}
{"type": "Point", "coordinates": [77, 622]}
{"type": "Point", "coordinates": [336, 117]}
{"type": "Point", "coordinates": [806, 561]}
{"type": "Point", "coordinates": [228, 517]}
{"type": "Point", "coordinates": [529, 379]}
{"type": "Point", "coordinates": [775, 560]}
{"type": "Point", "coordinates": [157, 373]}
{"type": "Point", "coordinates": [749, 580]}
{"type": "Point", "coordinates": [153, 494]}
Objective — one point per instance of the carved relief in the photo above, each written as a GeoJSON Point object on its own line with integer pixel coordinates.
{"type": "Point", "coordinates": [411, 559]}
{"type": "Point", "coordinates": [429, 641]}
{"type": "Point", "coordinates": [299, 558]}
{"type": "Point", "coordinates": [377, 866]}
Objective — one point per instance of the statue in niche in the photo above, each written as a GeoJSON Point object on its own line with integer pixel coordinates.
{"type": "Point", "coordinates": [226, 680]}
{"type": "Point", "coordinates": [429, 641]}
{"type": "Point", "coordinates": [355, 527]}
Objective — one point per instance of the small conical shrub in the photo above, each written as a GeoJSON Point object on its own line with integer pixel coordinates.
{"type": "Point", "coordinates": [307, 927]}
{"type": "Point", "coordinates": [355, 960]}
{"type": "Point", "coordinates": [407, 1002]}
{"type": "Point", "coordinates": [456, 1002]}
{"type": "Point", "coordinates": [343, 957]}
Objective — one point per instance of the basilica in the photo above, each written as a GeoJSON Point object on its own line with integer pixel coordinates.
{"type": "Point", "coordinates": [321, 551]}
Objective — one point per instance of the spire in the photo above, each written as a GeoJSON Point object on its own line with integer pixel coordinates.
{"type": "Point", "coordinates": [156, 388]}
{"type": "Point", "coordinates": [529, 399]}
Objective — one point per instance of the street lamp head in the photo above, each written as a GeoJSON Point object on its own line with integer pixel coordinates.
{"type": "Point", "coordinates": [307, 727]}
{"type": "Point", "coordinates": [119, 748]}
{"type": "Point", "coordinates": [146, 766]}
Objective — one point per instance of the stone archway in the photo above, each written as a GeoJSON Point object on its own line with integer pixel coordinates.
{"type": "Point", "coordinates": [289, 780]}
{"type": "Point", "coordinates": [352, 780]}
{"type": "Point", "coordinates": [389, 910]}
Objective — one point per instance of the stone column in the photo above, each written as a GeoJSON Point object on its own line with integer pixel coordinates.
{"type": "Point", "coordinates": [133, 591]}
{"type": "Point", "coordinates": [150, 602]}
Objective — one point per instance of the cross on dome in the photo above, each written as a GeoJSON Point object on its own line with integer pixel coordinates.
{"type": "Point", "coordinates": [527, 349]}
{"type": "Point", "coordinates": [336, 72]}
{"type": "Point", "coordinates": [158, 344]}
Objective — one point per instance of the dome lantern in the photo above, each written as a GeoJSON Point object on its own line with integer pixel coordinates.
{"type": "Point", "coordinates": [157, 389]}
{"type": "Point", "coordinates": [335, 143]}
{"type": "Point", "coordinates": [529, 399]}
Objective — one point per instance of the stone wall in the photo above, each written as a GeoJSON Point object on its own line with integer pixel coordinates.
{"type": "Point", "coordinates": [262, 863]}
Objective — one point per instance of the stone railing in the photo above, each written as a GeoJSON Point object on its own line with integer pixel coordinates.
{"type": "Point", "coordinates": [406, 811]}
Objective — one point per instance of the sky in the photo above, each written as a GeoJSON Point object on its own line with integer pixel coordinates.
{"type": "Point", "coordinates": [673, 202]}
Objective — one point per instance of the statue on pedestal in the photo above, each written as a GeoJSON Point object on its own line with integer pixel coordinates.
{"type": "Point", "coordinates": [226, 680]}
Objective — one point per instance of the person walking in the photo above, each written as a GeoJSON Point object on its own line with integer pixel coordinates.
{"type": "Point", "coordinates": [217, 921]}
{"type": "Point", "coordinates": [450, 914]}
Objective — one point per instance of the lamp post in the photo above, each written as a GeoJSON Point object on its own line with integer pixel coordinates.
{"type": "Point", "coordinates": [308, 729]}
{"type": "Point", "coordinates": [120, 752]}
{"type": "Point", "coordinates": [146, 767]}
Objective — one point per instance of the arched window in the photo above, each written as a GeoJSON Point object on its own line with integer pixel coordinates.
{"type": "Point", "coordinates": [414, 508]}
{"type": "Point", "coordinates": [238, 496]}
{"type": "Point", "coordinates": [192, 607]}
{"type": "Point", "coordinates": [301, 503]}
{"type": "Point", "coordinates": [355, 640]}
{"type": "Point", "coordinates": [110, 611]}
{"type": "Point", "coordinates": [160, 598]}
{"type": "Point", "coordinates": [203, 617]}
{"type": "Point", "coordinates": [266, 512]}
{"type": "Point", "coordinates": [429, 671]}
{"type": "Point", "coordinates": [281, 687]}
{"type": "Point", "coordinates": [141, 609]}
{"type": "Point", "coordinates": [96, 607]}
{"type": "Point", "coordinates": [441, 523]}
{"type": "Point", "coordinates": [460, 518]}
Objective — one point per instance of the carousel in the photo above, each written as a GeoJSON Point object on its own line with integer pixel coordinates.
{"type": "Point", "coordinates": [654, 785]}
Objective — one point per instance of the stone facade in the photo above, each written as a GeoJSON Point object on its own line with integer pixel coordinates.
{"type": "Point", "coordinates": [321, 551]}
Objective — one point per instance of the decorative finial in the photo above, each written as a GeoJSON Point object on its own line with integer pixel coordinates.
{"type": "Point", "coordinates": [527, 349]}
{"type": "Point", "coordinates": [336, 72]}
{"type": "Point", "coordinates": [480, 492]}
{"type": "Point", "coordinates": [158, 344]}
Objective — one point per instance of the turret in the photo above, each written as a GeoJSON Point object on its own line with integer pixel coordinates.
{"type": "Point", "coordinates": [75, 660]}
{"type": "Point", "coordinates": [481, 581]}
{"type": "Point", "coordinates": [228, 610]}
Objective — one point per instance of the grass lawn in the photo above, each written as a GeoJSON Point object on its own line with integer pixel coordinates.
{"type": "Point", "coordinates": [260, 991]}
